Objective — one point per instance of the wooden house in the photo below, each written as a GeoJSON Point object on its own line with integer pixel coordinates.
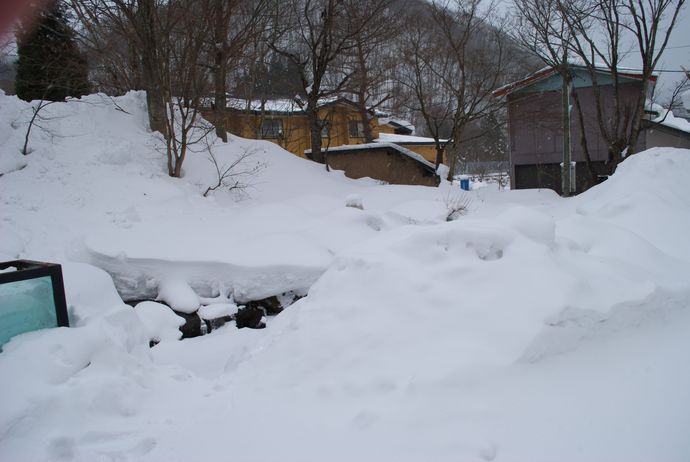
{"type": "Point", "coordinates": [535, 130]}
{"type": "Point", "coordinates": [387, 162]}
{"type": "Point", "coordinates": [285, 122]}
{"type": "Point", "coordinates": [425, 147]}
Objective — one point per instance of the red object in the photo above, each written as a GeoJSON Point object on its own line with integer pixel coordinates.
{"type": "Point", "coordinates": [11, 10]}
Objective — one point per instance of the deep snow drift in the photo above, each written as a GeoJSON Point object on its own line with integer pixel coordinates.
{"type": "Point", "coordinates": [531, 328]}
{"type": "Point", "coordinates": [95, 190]}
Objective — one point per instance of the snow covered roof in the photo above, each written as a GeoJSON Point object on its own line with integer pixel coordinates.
{"type": "Point", "coordinates": [272, 105]}
{"type": "Point", "coordinates": [385, 119]}
{"type": "Point", "coordinates": [405, 139]}
{"type": "Point", "coordinates": [667, 119]}
{"type": "Point", "coordinates": [281, 105]}
{"type": "Point", "coordinates": [378, 145]}
{"type": "Point", "coordinates": [547, 72]}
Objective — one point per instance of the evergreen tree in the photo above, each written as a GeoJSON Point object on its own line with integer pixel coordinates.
{"type": "Point", "coordinates": [50, 65]}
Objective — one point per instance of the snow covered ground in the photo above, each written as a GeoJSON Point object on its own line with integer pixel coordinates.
{"type": "Point", "coordinates": [530, 328]}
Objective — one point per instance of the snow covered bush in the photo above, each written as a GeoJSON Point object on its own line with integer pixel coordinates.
{"type": "Point", "coordinates": [354, 201]}
{"type": "Point", "coordinates": [457, 203]}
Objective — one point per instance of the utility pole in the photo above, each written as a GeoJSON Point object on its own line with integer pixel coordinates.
{"type": "Point", "coordinates": [566, 185]}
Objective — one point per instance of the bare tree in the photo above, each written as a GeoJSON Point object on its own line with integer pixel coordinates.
{"type": "Point", "coordinates": [681, 88]}
{"type": "Point", "coordinates": [456, 58]}
{"type": "Point", "coordinates": [423, 60]}
{"type": "Point", "coordinates": [649, 25]}
{"type": "Point", "coordinates": [141, 25]}
{"type": "Point", "coordinates": [372, 59]}
{"type": "Point", "coordinates": [115, 61]}
{"type": "Point", "coordinates": [235, 175]}
{"type": "Point", "coordinates": [598, 34]}
{"type": "Point", "coordinates": [35, 120]}
{"type": "Point", "coordinates": [171, 41]}
{"type": "Point", "coordinates": [457, 204]}
{"type": "Point", "coordinates": [314, 35]}
{"type": "Point", "coordinates": [184, 79]}
{"type": "Point", "coordinates": [542, 28]}
{"type": "Point", "coordinates": [234, 23]}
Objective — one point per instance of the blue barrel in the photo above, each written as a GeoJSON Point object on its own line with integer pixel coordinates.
{"type": "Point", "coordinates": [465, 183]}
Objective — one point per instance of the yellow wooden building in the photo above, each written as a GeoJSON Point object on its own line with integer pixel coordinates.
{"type": "Point", "coordinates": [284, 122]}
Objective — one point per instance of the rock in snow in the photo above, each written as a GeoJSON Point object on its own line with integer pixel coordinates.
{"type": "Point", "coordinates": [250, 316]}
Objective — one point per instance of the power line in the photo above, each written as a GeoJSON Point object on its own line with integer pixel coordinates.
{"type": "Point", "coordinates": [661, 70]}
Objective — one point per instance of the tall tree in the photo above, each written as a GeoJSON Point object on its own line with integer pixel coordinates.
{"type": "Point", "coordinates": [371, 59]}
{"type": "Point", "coordinates": [170, 39]}
{"type": "Point", "coordinates": [542, 29]}
{"type": "Point", "coordinates": [234, 23]}
{"type": "Point", "coordinates": [598, 34]}
{"type": "Point", "coordinates": [601, 30]}
{"type": "Point", "coordinates": [456, 56]}
{"type": "Point", "coordinates": [50, 65]}
{"type": "Point", "coordinates": [423, 62]}
{"type": "Point", "coordinates": [315, 35]}
{"type": "Point", "coordinates": [140, 24]}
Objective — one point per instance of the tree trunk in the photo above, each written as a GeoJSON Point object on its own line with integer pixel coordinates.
{"type": "Point", "coordinates": [583, 141]}
{"type": "Point", "coordinates": [452, 160]}
{"type": "Point", "coordinates": [220, 99]}
{"type": "Point", "coordinates": [220, 70]}
{"type": "Point", "coordinates": [315, 135]}
{"type": "Point", "coordinates": [566, 185]}
{"type": "Point", "coordinates": [362, 94]}
{"type": "Point", "coordinates": [638, 115]}
{"type": "Point", "coordinates": [439, 154]}
{"type": "Point", "coordinates": [150, 71]}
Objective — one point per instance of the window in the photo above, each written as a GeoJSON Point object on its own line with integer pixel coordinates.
{"type": "Point", "coordinates": [356, 129]}
{"type": "Point", "coordinates": [272, 128]}
{"type": "Point", "coordinates": [325, 128]}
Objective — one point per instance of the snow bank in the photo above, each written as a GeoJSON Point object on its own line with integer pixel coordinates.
{"type": "Point", "coordinates": [531, 326]}
{"type": "Point", "coordinates": [89, 292]}
{"type": "Point", "coordinates": [648, 196]}
{"type": "Point", "coordinates": [106, 200]}
{"type": "Point", "coordinates": [12, 110]}
{"type": "Point", "coordinates": [159, 321]}
{"type": "Point", "coordinates": [481, 289]}
{"type": "Point", "coordinates": [178, 295]}
{"type": "Point", "coordinates": [217, 310]}
{"type": "Point", "coordinates": [43, 363]}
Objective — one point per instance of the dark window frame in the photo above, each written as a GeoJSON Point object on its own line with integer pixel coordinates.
{"type": "Point", "coordinates": [355, 129]}
{"type": "Point", "coordinates": [274, 130]}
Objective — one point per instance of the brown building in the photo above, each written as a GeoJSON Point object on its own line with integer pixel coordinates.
{"type": "Point", "coordinates": [383, 161]}
{"type": "Point", "coordinates": [670, 132]}
{"type": "Point", "coordinates": [284, 122]}
{"type": "Point", "coordinates": [425, 147]}
{"type": "Point", "coordinates": [535, 132]}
